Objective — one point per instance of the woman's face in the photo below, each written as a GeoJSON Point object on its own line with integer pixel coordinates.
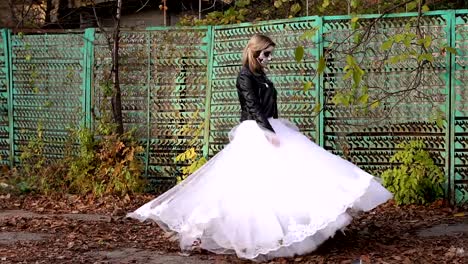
{"type": "Point", "coordinates": [265, 56]}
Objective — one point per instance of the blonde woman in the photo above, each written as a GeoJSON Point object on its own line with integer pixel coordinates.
{"type": "Point", "coordinates": [271, 192]}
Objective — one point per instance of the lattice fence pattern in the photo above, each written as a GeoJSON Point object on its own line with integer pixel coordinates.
{"type": "Point", "coordinates": [287, 75]}
{"type": "Point", "coordinates": [179, 80]}
{"type": "Point", "coordinates": [179, 90]}
{"type": "Point", "coordinates": [163, 83]}
{"type": "Point", "coordinates": [47, 93]}
{"type": "Point", "coordinates": [460, 120]}
{"type": "Point", "coordinates": [369, 140]}
{"type": "Point", "coordinates": [4, 85]}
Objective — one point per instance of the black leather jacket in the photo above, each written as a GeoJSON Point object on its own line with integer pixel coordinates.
{"type": "Point", "coordinates": [257, 97]}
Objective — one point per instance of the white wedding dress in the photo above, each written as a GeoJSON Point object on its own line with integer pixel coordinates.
{"type": "Point", "coordinates": [260, 201]}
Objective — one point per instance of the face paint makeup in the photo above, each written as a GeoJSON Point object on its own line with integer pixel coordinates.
{"type": "Point", "coordinates": [265, 56]}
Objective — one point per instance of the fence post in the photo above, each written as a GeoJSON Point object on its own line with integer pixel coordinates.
{"type": "Point", "coordinates": [319, 88]}
{"type": "Point", "coordinates": [88, 59]}
{"type": "Point", "coordinates": [210, 51]}
{"type": "Point", "coordinates": [148, 101]}
{"type": "Point", "coordinates": [7, 50]}
{"type": "Point", "coordinates": [450, 111]}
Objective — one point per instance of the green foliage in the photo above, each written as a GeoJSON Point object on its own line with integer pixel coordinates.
{"type": "Point", "coordinates": [248, 10]}
{"type": "Point", "coordinates": [308, 86]}
{"type": "Point", "coordinates": [38, 173]}
{"type": "Point", "coordinates": [377, 7]}
{"type": "Point", "coordinates": [409, 46]}
{"type": "Point", "coordinates": [32, 155]}
{"type": "Point", "coordinates": [309, 34]}
{"type": "Point", "coordinates": [414, 178]}
{"type": "Point", "coordinates": [358, 94]}
{"type": "Point", "coordinates": [190, 159]}
{"type": "Point", "coordinates": [438, 116]}
{"type": "Point", "coordinates": [321, 65]}
{"type": "Point", "coordinates": [299, 53]}
{"type": "Point", "coordinates": [234, 14]}
{"type": "Point", "coordinates": [103, 165]}
{"type": "Point", "coordinates": [108, 165]}
{"type": "Point", "coordinates": [414, 47]}
{"type": "Point", "coordinates": [95, 162]}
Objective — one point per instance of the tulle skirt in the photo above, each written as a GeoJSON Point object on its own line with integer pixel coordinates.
{"type": "Point", "coordinates": [260, 201]}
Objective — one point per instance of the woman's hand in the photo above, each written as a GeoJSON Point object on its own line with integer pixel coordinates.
{"type": "Point", "coordinates": [272, 138]}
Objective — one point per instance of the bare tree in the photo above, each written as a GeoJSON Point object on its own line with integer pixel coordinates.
{"type": "Point", "coordinates": [117, 95]}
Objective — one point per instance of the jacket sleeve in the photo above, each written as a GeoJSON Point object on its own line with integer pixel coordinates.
{"type": "Point", "coordinates": [252, 102]}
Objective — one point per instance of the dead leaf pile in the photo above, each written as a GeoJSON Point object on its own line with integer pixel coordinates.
{"type": "Point", "coordinates": [388, 234]}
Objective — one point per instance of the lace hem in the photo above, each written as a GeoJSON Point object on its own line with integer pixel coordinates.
{"type": "Point", "coordinates": [296, 233]}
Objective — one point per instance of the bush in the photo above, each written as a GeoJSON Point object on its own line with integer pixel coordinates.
{"type": "Point", "coordinates": [109, 165]}
{"type": "Point", "coordinates": [37, 173]}
{"type": "Point", "coordinates": [413, 178]}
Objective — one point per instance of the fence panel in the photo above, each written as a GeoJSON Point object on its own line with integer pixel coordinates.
{"type": "Point", "coordinates": [5, 87]}
{"type": "Point", "coordinates": [178, 90]}
{"type": "Point", "coordinates": [370, 139]}
{"type": "Point", "coordinates": [460, 111]}
{"type": "Point", "coordinates": [288, 75]}
{"type": "Point", "coordinates": [47, 93]}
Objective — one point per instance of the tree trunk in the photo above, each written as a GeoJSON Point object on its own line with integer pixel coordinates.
{"type": "Point", "coordinates": [48, 9]}
{"type": "Point", "coordinates": [117, 95]}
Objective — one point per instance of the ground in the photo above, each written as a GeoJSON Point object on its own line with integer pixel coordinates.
{"type": "Point", "coordinates": [69, 229]}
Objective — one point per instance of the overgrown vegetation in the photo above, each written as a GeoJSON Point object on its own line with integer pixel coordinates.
{"type": "Point", "coordinates": [105, 164]}
{"type": "Point", "coordinates": [37, 172]}
{"type": "Point", "coordinates": [247, 10]}
{"type": "Point", "coordinates": [191, 160]}
{"type": "Point", "coordinates": [95, 161]}
{"type": "Point", "coordinates": [414, 177]}
{"type": "Point", "coordinates": [108, 162]}
{"type": "Point", "coordinates": [412, 45]}
{"type": "Point", "coordinates": [236, 11]}
{"type": "Point", "coordinates": [364, 90]}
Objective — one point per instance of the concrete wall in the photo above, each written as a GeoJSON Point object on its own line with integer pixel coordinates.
{"type": "Point", "coordinates": [147, 19]}
{"type": "Point", "coordinates": [143, 19]}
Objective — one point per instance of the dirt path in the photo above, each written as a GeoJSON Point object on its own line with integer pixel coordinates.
{"type": "Point", "coordinates": [72, 230]}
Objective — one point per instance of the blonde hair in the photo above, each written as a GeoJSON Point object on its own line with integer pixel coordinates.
{"type": "Point", "coordinates": [256, 44]}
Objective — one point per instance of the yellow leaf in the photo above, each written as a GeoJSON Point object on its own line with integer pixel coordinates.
{"type": "Point", "coordinates": [460, 214]}
{"type": "Point", "coordinates": [193, 153]}
{"type": "Point", "coordinates": [180, 157]}
{"type": "Point", "coordinates": [425, 8]}
{"type": "Point", "coordinates": [375, 104]}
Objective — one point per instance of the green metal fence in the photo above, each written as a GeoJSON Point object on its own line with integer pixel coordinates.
{"type": "Point", "coordinates": [5, 77]}
{"type": "Point", "coordinates": [179, 84]}
{"type": "Point", "coordinates": [288, 75]}
{"type": "Point", "coordinates": [370, 142]}
{"type": "Point", "coordinates": [47, 96]}
{"type": "Point", "coordinates": [458, 174]}
{"type": "Point", "coordinates": [164, 80]}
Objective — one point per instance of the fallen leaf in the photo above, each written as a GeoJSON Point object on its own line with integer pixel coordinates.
{"type": "Point", "coordinates": [70, 244]}
{"type": "Point", "coordinates": [365, 259]}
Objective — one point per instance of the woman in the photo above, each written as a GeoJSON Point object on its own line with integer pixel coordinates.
{"type": "Point", "coordinates": [270, 192]}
